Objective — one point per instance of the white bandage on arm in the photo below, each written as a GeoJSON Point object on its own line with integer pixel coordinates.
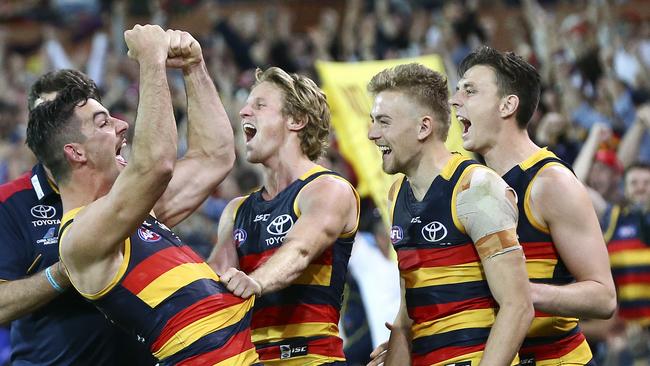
{"type": "Point", "coordinates": [488, 215]}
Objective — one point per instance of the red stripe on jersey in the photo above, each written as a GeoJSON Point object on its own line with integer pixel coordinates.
{"type": "Point", "coordinates": [443, 354]}
{"type": "Point", "coordinates": [250, 262]}
{"type": "Point", "coordinates": [539, 250]}
{"type": "Point", "coordinates": [328, 346]}
{"type": "Point", "coordinates": [556, 349]}
{"type": "Point", "coordinates": [235, 345]}
{"type": "Point", "coordinates": [21, 183]}
{"type": "Point", "coordinates": [410, 259]}
{"type": "Point", "coordinates": [631, 278]}
{"type": "Point", "coordinates": [634, 313]}
{"type": "Point", "coordinates": [200, 309]}
{"type": "Point", "coordinates": [294, 314]}
{"type": "Point", "coordinates": [627, 244]}
{"type": "Point", "coordinates": [154, 266]}
{"type": "Point", "coordinates": [421, 314]}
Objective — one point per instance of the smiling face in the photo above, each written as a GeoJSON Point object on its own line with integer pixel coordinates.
{"type": "Point", "coordinates": [105, 138]}
{"type": "Point", "coordinates": [637, 186]}
{"type": "Point", "coordinates": [477, 102]}
{"type": "Point", "coordinates": [263, 122]}
{"type": "Point", "coordinates": [394, 129]}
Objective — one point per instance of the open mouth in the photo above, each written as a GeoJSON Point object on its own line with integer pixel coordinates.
{"type": "Point", "coordinates": [385, 150]}
{"type": "Point", "coordinates": [465, 122]}
{"type": "Point", "coordinates": [118, 154]}
{"type": "Point", "coordinates": [249, 131]}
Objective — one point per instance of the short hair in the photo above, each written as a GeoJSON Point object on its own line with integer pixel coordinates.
{"type": "Point", "coordinates": [427, 87]}
{"type": "Point", "coordinates": [638, 165]}
{"type": "Point", "coordinates": [303, 100]}
{"type": "Point", "coordinates": [513, 76]}
{"type": "Point", "coordinates": [56, 81]}
{"type": "Point", "coordinates": [52, 124]}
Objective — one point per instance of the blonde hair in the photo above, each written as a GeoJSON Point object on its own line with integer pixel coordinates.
{"type": "Point", "coordinates": [303, 101]}
{"type": "Point", "coordinates": [425, 86]}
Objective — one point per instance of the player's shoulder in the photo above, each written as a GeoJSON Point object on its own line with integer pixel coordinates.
{"type": "Point", "coordinates": [12, 189]}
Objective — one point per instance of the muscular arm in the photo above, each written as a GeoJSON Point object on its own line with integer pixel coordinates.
{"type": "Point", "coordinates": [224, 253]}
{"type": "Point", "coordinates": [399, 344]}
{"type": "Point", "coordinates": [116, 215]}
{"type": "Point", "coordinates": [562, 203]}
{"type": "Point", "coordinates": [21, 297]}
{"type": "Point", "coordinates": [328, 209]}
{"type": "Point", "coordinates": [488, 212]}
{"type": "Point", "coordinates": [211, 152]}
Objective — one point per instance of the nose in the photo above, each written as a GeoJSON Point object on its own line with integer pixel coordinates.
{"type": "Point", "coordinates": [121, 126]}
{"type": "Point", "coordinates": [454, 101]}
{"type": "Point", "coordinates": [246, 111]}
{"type": "Point", "coordinates": [373, 133]}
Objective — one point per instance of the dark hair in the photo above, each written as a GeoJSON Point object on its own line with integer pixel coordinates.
{"type": "Point", "coordinates": [514, 76]}
{"type": "Point", "coordinates": [427, 87]}
{"type": "Point", "coordinates": [55, 81]}
{"type": "Point", "coordinates": [52, 123]}
{"type": "Point", "coordinates": [640, 165]}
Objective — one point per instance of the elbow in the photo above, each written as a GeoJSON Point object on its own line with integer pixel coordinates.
{"type": "Point", "coordinates": [609, 304]}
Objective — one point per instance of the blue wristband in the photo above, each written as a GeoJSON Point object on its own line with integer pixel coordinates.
{"type": "Point", "coordinates": [52, 282]}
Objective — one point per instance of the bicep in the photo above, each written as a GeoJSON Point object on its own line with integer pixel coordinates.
{"type": "Point", "coordinates": [224, 254]}
{"type": "Point", "coordinates": [506, 275]}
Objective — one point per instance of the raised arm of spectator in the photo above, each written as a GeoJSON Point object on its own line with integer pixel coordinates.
{"type": "Point", "coordinates": [628, 150]}
{"type": "Point", "coordinates": [210, 152]}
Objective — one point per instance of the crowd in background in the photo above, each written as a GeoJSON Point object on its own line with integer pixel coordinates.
{"type": "Point", "coordinates": [593, 56]}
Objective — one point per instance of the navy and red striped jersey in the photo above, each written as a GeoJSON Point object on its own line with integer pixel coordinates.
{"type": "Point", "coordinates": [167, 297]}
{"type": "Point", "coordinates": [551, 340]}
{"type": "Point", "coordinates": [299, 324]}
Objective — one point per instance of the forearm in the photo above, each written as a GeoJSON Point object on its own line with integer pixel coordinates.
{"type": "Point", "coordinates": [584, 299]}
{"type": "Point", "coordinates": [399, 347]}
{"type": "Point", "coordinates": [584, 160]}
{"type": "Point", "coordinates": [507, 333]}
{"type": "Point", "coordinates": [284, 267]}
{"type": "Point", "coordinates": [209, 134]}
{"type": "Point", "coordinates": [155, 129]}
{"type": "Point", "coordinates": [21, 297]}
{"type": "Point", "coordinates": [628, 150]}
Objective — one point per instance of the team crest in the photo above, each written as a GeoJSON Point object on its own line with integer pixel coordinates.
{"type": "Point", "coordinates": [148, 235]}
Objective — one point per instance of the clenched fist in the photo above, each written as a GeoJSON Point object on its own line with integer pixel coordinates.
{"type": "Point", "coordinates": [147, 43]}
{"type": "Point", "coordinates": [184, 51]}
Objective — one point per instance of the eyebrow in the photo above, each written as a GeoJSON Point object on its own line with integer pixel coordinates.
{"type": "Point", "coordinates": [380, 116]}
{"type": "Point", "coordinates": [99, 113]}
{"type": "Point", "coordinates": [464, 84]}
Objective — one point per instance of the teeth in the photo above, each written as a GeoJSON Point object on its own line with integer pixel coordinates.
{"type": "Point", "coordinates": [462, 119]}
{"type": "Point", "coordinates": [385, 149]}
{"type": "Point", "coordinates": [249, 128]}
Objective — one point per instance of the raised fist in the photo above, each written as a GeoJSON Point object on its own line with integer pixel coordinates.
{"type": "Point", "coordinates": [184, 51]}
{"type": "Point", "coordinates": [147, 43]}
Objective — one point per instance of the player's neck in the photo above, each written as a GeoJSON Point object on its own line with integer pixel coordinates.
{"type": "Point", "coordinates": [428, 167]}
{"type": "Point", "coordinates": [280, 173]}
{"type": "Point", "coordinates": [80, 191]}
{"type": "Point", "coordinates": [513, 147]}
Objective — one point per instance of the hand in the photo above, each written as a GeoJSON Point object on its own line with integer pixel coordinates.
{"type": "Point", "coordinates": [147, 43]}
{"type": "Point", "coordinates": [643, 114]}
{"type": "Point", "coordinates": [601, 131]}
{"type": "Point", "coordinates": [379, 354]}
{"type": "Point", "coordinates": [241, 284]}
{"type": "Point", "coordinates": [184, 51]}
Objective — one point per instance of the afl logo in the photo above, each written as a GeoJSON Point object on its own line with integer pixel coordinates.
{"type": "Point", "coordinates": [43, 212]}
{"type": "Point", "coordinates": [280, 225]}
{"type": "Point", "coordinates": [396, 234]}
{"type": "Point", "coordinates": [434, 231]}
{"type": "Point", "coordinates": [148, 235]}
{"type": "Point", "coordinates": [239, 236]}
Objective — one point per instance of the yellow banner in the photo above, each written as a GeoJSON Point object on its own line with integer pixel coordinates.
{"type": "Point", "coordinates": [345, 86]}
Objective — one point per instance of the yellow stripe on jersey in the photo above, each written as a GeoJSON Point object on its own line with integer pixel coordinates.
{"type": "Point", "coordinates": [528, 210]}
{"type": "Point", "coordinates": [315, 274]}
{"type": "Point", "coordinates": [279, 332]}
{"type": "Point", "coordinates": [540, 268]}
{"type": "Point", "coordinates": [578, 356]}
{"type": "Point", "coordinates": [640, 257]}
{"type": "Point", "coordinates": [433, 276]}
{"type": "Point", "coordinates": [454, 195]}
{"type": "Point", "coordinates": [634, 291]}
{"type": "Point", "coordinates": [244, 358]}
{"type": "Point", "coordinates": [613, 218]}
{"type": "Point", "coordinates": [551, 326]}
{"type": "Point", "coordinates": [479, 318]}
{"type": "Point", "coordinates": [307, 360]}
{"type": "Point", "coordinates": [206, 325]}
{"type": "Point", "coordinates": [169, 282]}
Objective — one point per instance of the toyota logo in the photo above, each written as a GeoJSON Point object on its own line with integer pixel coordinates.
{"type": "Point", "coordinates": [280, 225]}
{"type": "Point", "coordinates": [43, 212]}
{"type": "Point", "coordinates": [434, 231]}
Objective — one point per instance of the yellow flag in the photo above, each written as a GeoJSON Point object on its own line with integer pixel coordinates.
{"type": "Point", "coordinates": [345, 84]}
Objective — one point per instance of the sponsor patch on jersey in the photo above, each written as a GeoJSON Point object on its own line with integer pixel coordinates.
{"type": "Point", "coordinates": [239, 236]}
{"type": "Point", "coordinates": [396, 234]}
{"type": "Point", "coordinates": [148, 235]}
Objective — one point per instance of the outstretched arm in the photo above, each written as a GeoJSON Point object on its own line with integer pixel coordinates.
{"type": "Point", "coordinates": [116, 215]}
{"type": "Point", "coordinates": [561, 202]}
{"type": "Point", "coordinates": [328, 208]}
{"type": "Point", "coordinates": [211, 152]}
